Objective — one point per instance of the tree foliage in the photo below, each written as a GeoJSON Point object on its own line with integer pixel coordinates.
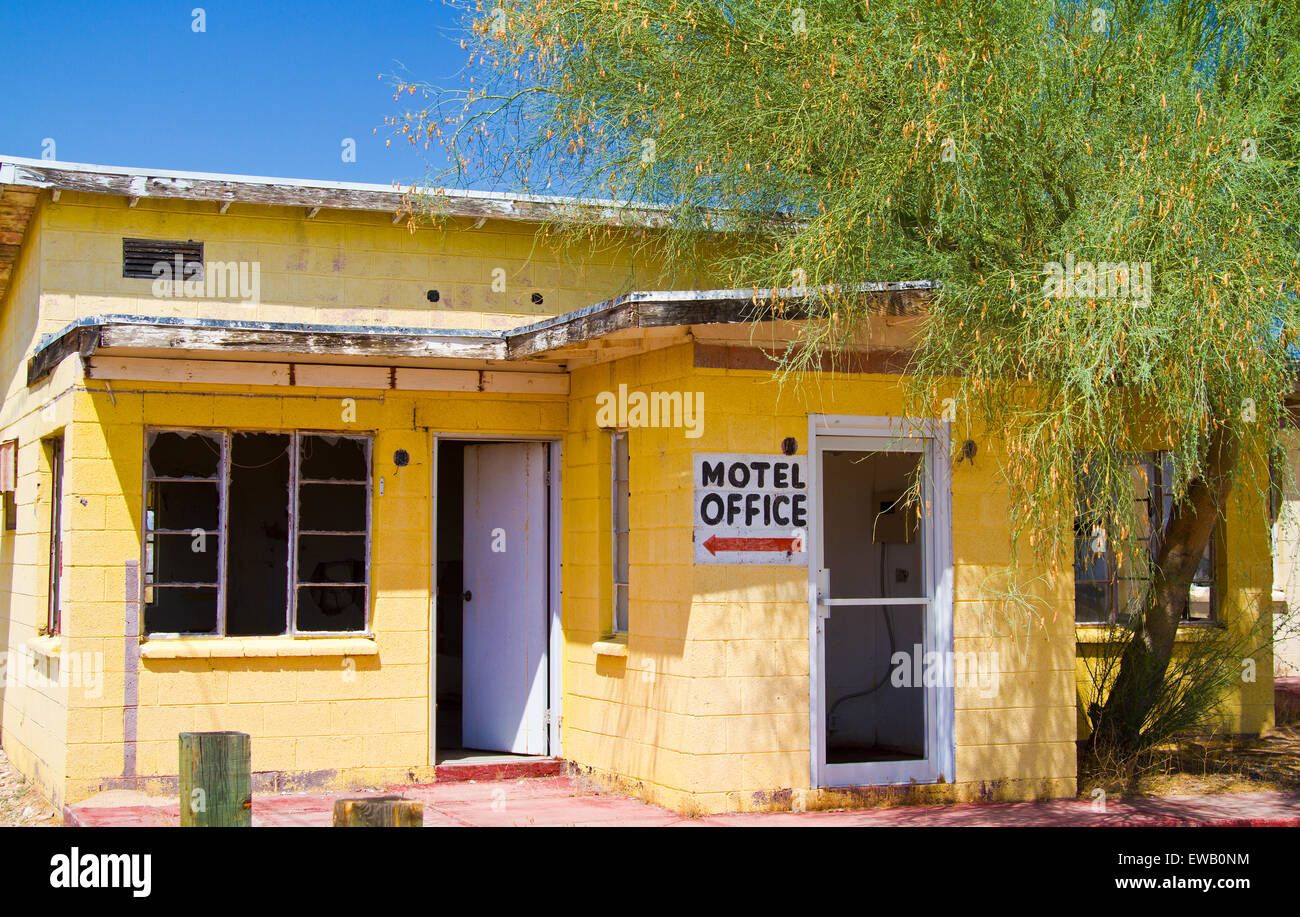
{"type": "Point", "coordinates": [987, 145]}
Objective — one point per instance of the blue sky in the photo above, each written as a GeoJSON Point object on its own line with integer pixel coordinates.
{"type": "Point", "coordinates": [272, 87]}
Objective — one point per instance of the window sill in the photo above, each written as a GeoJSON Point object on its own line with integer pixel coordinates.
{"type": "Point", "coordinates": [1188, 631]}
{"type": "Point", "coordinates": [255, 647]}
{"type": "Point", "coordinates": [49, 646]}
{"type": "Point", "coordinates": [614, 645]}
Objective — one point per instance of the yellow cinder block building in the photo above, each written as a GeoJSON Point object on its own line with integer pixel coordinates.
{"type": "Point", "coordinates": [393, 500]}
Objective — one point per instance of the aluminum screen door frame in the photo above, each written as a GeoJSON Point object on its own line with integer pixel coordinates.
{"type": "Point", "coordinates": [931, 438]}
{"type": "Point", "coordinates": [505, 620]}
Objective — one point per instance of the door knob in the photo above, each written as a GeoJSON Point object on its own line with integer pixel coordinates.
{"type": "Point", "coordinates": [467, 595]}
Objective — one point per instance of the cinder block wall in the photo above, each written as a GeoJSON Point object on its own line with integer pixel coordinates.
{"type": "Point", "coordinates": [33, 699]}
{"type": "Point", "coordinates": [709, 710]}
{"type": "Point", "coordinates": [317, 721]}
{"type": "Point", "coordinates": [347, 268]}
{"type": "Point", "coordinates": [340, 267]}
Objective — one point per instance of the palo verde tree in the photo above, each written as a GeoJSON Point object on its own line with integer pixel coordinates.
{"type": "Point", "coordinates": [1105, 191]}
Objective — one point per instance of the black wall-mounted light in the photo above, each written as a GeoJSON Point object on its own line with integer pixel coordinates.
{"type": "Point", "coordinates": [537, 299]}
{"type": "Point", "coordinates": [789, 446]}
{"type": "Point", "coordinates": [401, 458]}
{"type": "Point", "coordinates": [432, 296]}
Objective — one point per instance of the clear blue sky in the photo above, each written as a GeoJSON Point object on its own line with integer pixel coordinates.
{"type": "Point", "coordinates": [272, 87]}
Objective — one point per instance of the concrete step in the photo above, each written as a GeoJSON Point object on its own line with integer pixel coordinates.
{"type": "Point", "coordinates": [497, 767]}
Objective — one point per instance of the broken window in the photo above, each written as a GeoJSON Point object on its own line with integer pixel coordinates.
{"type": "Point", "coordinates": [256, 534]}
{"type": "Point", "coordinates": [1109, 583]}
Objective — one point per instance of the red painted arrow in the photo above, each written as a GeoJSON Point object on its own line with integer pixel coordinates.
{"type": "Point", "coordinates": [714, 544]}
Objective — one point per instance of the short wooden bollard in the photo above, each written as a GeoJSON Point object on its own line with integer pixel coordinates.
{"type": "Point", "coordinates": [216, 780]}
{"type": "Point", "coordinates": [378, 812]}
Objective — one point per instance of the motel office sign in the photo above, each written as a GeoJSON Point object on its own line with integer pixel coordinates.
{"type": "Point", "coordinates": [751, 509]}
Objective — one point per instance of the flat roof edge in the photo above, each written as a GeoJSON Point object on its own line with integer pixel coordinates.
{"type": "Point", "coordinates": [642, 308]}
{"type": "Point", "coordinates": [254, 189]}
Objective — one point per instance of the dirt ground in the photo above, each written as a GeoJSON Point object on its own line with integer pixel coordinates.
{"type": "Point", "coordinates": [20, 805]}
{"type": "Point", "coordinates": [1269, 763]}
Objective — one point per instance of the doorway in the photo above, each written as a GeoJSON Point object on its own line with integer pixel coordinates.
{"type": "Point", "coordinates": [880, 603]}
{"type": "Point", "coordinates": [496, 599]}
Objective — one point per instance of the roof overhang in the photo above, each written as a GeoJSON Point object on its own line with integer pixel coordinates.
{"type": "Point", "coordinates": [543, 346]}
{"type": "Point", "coordinates": [141, 336]}
{"type": "Point", "coordinates": [556, 336]}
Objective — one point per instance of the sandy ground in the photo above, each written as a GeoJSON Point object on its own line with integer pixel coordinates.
{"type": "Point", "coordinates": [20, 805]}
{"type": "Point", "coordinates": [1270, 763]}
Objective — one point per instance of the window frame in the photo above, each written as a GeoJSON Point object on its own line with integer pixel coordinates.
{"type": "Point", "coordinates": [1155, 489]}
{"type": "Point", "coordinates": [54, 573]}
{"type": "Point", "coordinates": [618, 588]}
{"type": "Point", "coordinates": [292, 582]}
{"type": "Point", "coordinates": [9, 455]}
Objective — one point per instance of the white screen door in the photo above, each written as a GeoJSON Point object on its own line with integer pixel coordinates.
{"type": "Point", "coordinates": [881, 604]}
{"type": "Point", "coordinates": [506, 598]}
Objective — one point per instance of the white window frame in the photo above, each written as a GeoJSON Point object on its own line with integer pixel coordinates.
{"type": "Point", "coordinates": [292, 583]}
{"type": "Point", "coordinates": [616, 626]}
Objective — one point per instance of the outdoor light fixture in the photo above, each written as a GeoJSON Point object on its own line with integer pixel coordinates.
{"type": "Point", "coordinates": [401, 458]}
{"type": "Point", "coordinates": [789, 446]}
{"type": "Point", "coordinates": [432, 296]}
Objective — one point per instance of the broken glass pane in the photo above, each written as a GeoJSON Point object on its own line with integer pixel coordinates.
{"type": "Point", "coordinates": [184, 455]}
{"type": "Point", "coordinates": [257, 577]}
{"type": "Point", "coordinates": [332, 458]}
{"type": "Point", "coordinates": [331, 559]}
{"type": "Point", "coordinates": [183, 506]}
{"type": "Point", "coordinates": [332, 508]}
{"type": "Point", "coordinates": [178, 610]}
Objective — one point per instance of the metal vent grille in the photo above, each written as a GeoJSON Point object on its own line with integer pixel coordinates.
{"type": "Point", "coordinates": [140, 255]}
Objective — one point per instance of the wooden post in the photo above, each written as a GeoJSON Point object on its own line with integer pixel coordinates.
{"type": "Point", "coordinates": [216, 780]}
{"type": "Point", "coordinates": [378, 812]}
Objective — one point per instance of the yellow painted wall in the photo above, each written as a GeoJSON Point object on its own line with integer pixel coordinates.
{"type": "Point", "coordinates": [348, 268]}
{"type": "Point", "coordinates": [340, 267]}
{"type": "Point", "coordinates": [33, 702]}
{"type": "Point", "coordinates": [709, 711]}
{"type": "Point", "coordinates": [317, 721]}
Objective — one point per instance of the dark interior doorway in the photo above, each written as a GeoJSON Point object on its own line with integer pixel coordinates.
{"type": "Point", "coordinates": [450, 586]}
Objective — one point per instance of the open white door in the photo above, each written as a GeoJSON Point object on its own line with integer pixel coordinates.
{"type": "Point", "coordinates": [505, 598]}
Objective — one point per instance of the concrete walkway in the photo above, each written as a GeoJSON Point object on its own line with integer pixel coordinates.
{"type": "Point", "coordinates": [561, 801]}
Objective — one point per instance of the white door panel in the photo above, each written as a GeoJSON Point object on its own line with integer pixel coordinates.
{"type": "Point", "coordinates": [505, 612]}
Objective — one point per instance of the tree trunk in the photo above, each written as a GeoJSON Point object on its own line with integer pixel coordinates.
{"type": "Point", "coordinates": [1146, 658]}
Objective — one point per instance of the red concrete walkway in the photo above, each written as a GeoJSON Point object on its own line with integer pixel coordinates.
{"type": "Point", "coordinates": [561, 801]}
